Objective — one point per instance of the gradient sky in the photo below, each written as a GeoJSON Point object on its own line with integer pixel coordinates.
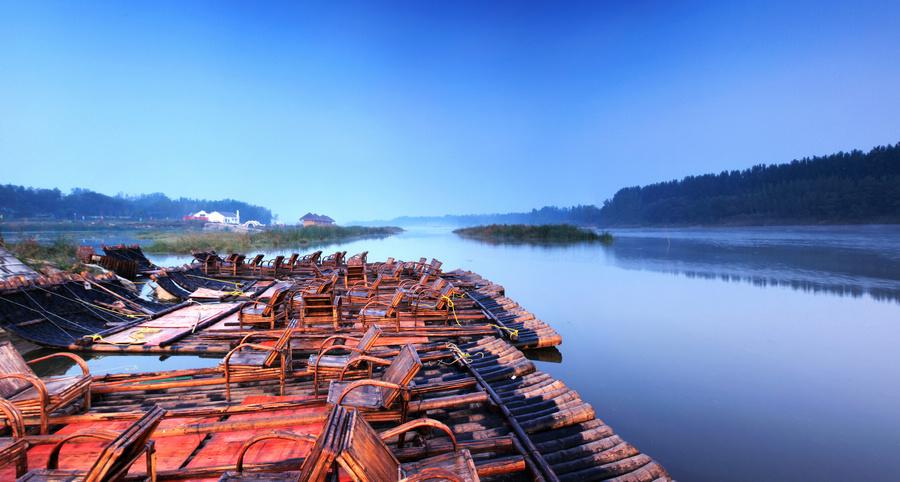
{"type": "Point", "coordinates": [365, 110]}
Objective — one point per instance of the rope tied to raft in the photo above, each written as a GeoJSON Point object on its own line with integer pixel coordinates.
{"type": "Point", "coordinates": [452, 307]}
{"type": "Point", "coordinates": [513, 332]}
{"type": "Point", "coordinates": [459, 356]}
{"type": "Point", "coordinates": [235, 283]}
{"type": "Point", "coordinates": [136, 336]}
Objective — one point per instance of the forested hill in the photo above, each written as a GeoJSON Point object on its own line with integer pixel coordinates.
{"type": "Point", "coordinates": [583, 215]}
{"type": "Point", "coordinates": [19, 202]}
{"type": "Point", "coordinates": [854, 187]}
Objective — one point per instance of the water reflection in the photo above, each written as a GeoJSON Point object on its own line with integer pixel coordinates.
{"type": "Point", "coordinates": [115, 363]}
{"type": "Point", "coordinates": [548, 355]}
{"type": "Point", "coordinates": [834, 260]}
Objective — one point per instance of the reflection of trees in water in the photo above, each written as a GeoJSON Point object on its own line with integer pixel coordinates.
{"type": "Point", "coordinates": [809, 268]}
{"type": "Point", "coordinates": [798, 284]}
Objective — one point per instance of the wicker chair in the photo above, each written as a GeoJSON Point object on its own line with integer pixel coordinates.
{"type": "Point", "coordinates": [265, 313]}
{"type": "Point", "coordinates": [116, 458]}
{"type": "Point", "coordinates": [369, 394]}
{"type": "Point", "coordinates": [255, 361]}
{"type": "Point", "coordinates": [39, 397]}
{"type": "Point", "coordinates": [323, 365]}
{"type": "Point", "coordinates": [380, 309]}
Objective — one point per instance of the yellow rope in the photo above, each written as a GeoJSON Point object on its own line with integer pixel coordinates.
{"type": "Point", "coordinates": [452, 308]}
{"type": "Point", "coordinates": [459, 356]}
{"type": "Point", "coordinates": [136, 336]}
{"type": "Point", "coordinates": [513, 333]}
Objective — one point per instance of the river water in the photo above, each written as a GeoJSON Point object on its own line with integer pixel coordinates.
{"type": "Point", "coordinates": [726, 354]}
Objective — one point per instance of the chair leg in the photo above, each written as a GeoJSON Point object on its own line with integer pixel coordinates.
{"type": "Point", "coordinates": [227, 387]}
{"type": "Point", "coordinates": [45, 421]}
{"type": "Point", "coordinates": [22, 464]}
{"type": "Point", "coordinates": [151, 463]}
{"type": "Point", "coordinates": [87, 398]}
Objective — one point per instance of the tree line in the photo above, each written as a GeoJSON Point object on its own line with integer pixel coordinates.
{"type": "Point", "coordinates": [846, 187]}
{"type": "Point", "coordinates": [20, 202]}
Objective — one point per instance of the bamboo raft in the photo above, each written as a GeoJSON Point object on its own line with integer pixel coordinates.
{"type": "Point", "coordinates": [480, 407]}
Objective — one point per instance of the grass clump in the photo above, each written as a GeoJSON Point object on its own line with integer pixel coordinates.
{"type": "Point", "coordinates": [537, 234]}
{"type": "Point", "coordinates": [59, 254]}
{"type": "Point", "coordinates": [240, 242]}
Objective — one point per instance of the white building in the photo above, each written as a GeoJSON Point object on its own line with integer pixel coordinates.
{"type": "Point", "coordinates": [253, 224]}
{"type": "Point", "coordinates": [224, 217]}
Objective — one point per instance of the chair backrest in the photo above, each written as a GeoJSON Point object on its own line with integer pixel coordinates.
{"type": "Point", "coordinates": [239, 259]}
{"type": "Point", "coordinates": [322, 455]}
{"type": "Point", "coordinates": [358, 258]}
{"type": "Point", "coordinates": [282, 343]}
{"type": "Point", "coordinates": [279, 260]}
{"type": "Point", "coordinates": [122, 451]}
{"type": "Point", "coordinates": [363, 454]}
{"type": "Point", "coordinates": [257, 259]}
{"type": "Point", "coordinates": [276, 299]}
{"type": "Point", "coordinates": [395, 302]}
{"type": "Point", "coordinates": [12, 362]}
{"type": "Point", "coordinates": [401, 371]}
{"type": "Point", "coordinates": [231, 257]}
{"type": "Point", "coordinates": [328, 285]}
{"type": "Point", "coordinates": [367, 342]}
{"type": "Point", "coordinates": [292, 260]}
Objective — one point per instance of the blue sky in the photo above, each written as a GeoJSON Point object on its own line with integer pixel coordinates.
{"type": "Point", "coordinates": [372, 110]}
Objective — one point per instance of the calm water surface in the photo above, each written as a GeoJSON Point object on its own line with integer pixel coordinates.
{"type": "Point", "coordinates": [726, 354]}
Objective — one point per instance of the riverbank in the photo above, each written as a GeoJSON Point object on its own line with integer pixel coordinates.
{"type": "Point", "coordinates": [524, 233]}
{"type": "Point", "coordinates": [181, 243]}
{"type": "Point", "coordinates": [60, 254]}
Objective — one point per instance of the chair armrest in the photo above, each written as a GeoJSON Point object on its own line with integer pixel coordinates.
{"type": "Point", "coordinates": [334, 348]}
{"type": "Point", "coordinates": [80, 361]}
{"type": "Point", "coordinates": [360, 359]}
{"type": "Point", "coordinates": [13, 418]}
{"type": "Point", "coordinates": [245, 345]}
{"type": "Point", "coordinates": [362, 383]}
{"type": "Point", "coordinates": [36, 382]}
{"type": "Point", "coordinates": [239, 466]}
{"type": "Point", "coordinates": [421, 422]}
{"type": "Point", "coordinates": [338, 337]}
{"type": "Point", "coordinates": [432, 473]}
{"type": "Point", "coordinates": [53, 459]}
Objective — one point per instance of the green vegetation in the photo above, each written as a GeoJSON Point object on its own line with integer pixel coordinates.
{"type": "Point", "coordinates": [847, 187]}
{"type": "Point", "coordinates": [60, 254]}
{"type": "Point", "coordinates": [540, 234]}
{"type": "Point", "coordinates": [20, 202]}
{"type": "Point", "coordinates": [289, 237]}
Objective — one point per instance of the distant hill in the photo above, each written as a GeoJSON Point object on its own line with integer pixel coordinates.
{"type": "Point", "coordinates": [581, 215]}
{"type": "Point", "coordinates": [19, 202]}
{"type": "Point", "coordinates": [847, 187]}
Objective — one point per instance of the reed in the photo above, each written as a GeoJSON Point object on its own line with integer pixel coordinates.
{"type": "Point", "coordinates": [287, 237]}
{"type": "Point", "coordinates": [537, 234]}
{"type": "Point", "coordinates": [59, 254]}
